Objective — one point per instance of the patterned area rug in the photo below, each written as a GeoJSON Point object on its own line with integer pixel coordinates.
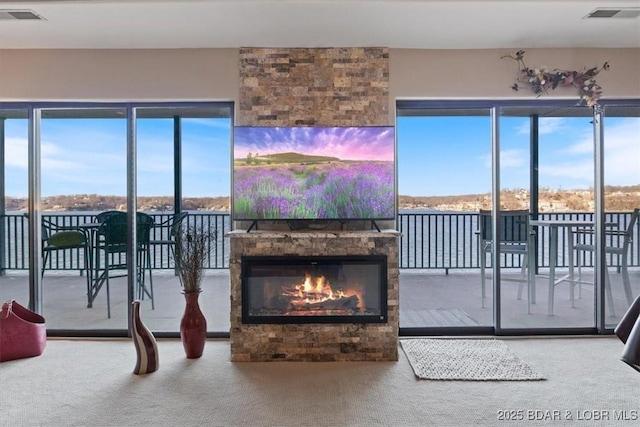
{"type": "Point", "coordinates": [466, 360]}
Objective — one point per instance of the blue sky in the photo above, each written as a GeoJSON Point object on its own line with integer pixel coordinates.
{"type": "Point", "coordinates": [87, 156]}
{"type": "Point", "coordinates": [436, 155]}
{"type": "Point", "coordinates": [452, 155]}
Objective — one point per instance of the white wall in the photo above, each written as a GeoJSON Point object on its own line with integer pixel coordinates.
{"type": "Point", "coordinates": [212, 74]}
{"type": "Point", "coordinates": [119, 75]}
{"type": "Point", "coordinates": [482, 74]}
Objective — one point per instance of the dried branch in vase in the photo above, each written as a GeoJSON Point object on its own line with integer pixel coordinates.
{"type": "Point", "coordinates": [193, 246]}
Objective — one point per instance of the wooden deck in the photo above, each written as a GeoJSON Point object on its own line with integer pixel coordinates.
{"type": "Point", "coordinates": [427, 299]}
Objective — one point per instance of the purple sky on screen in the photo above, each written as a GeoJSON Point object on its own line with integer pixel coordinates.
{"type": "Point", "coordinates": [346, 143]}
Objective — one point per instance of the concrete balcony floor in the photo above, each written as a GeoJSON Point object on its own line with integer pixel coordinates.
{"type": "Point", "coordinates": [427, 299]}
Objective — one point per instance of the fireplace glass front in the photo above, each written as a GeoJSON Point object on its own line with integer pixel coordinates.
{"type": "Point", "coordinates": [350, 289]}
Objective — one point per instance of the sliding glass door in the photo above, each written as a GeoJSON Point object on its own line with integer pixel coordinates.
{"type": "Point", "coordinates": [546, 170]}
{"type": "Point", "coordinates": [72, 164]}
{"type": "Point", "coordinates": [534, 180]}
{"type": "Point", "coordinates": [621, 153]}
{"type": "Point", "coordinates": [444, 174]}
{"type": "Point", "coordinates": [83, 165]}
{"type": "Point", "coordinates": [184, 162]}
{"type": "Point", "coordinates": [14, 194]}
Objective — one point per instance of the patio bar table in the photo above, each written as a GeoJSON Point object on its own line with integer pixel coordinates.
{"type": "Point", "coordinates": [554, 225]}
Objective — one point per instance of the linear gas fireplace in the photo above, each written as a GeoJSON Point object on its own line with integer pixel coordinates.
{"type": "Point", "coordinates": [326, 296]}
{"type": "Point", "coordinates": [314, 289]}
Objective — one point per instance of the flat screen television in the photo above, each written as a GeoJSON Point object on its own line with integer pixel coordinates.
{"type": "Point", "coordinates": [313, 173]}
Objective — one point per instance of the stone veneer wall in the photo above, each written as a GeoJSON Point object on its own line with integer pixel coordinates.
{"type": "Point", "coordinates": [319, 86]}
{"type": "Point", "coordinates": [313, 87]}
{"type": "Point", "coordinates": [314, 342]}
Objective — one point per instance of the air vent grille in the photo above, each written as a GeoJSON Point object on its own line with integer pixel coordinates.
{"type": "Point", "coordinates": [19, 15]}
{"type": "Point", "coordinates": [620, 12]}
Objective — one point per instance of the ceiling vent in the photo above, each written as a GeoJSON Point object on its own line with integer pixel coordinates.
{"type": "Point", "coordinates": [618, 12]}
{"type": "Point", "coordinates": [19, 15]}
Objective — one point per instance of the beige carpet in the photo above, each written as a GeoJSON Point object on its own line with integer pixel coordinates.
{"type": "Point", "coordinates": [466, 360]}
{"type": "Point", "coordinates": [90, 383]}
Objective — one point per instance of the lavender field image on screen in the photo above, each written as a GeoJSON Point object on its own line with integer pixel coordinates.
{"type": "Point", "coordinates": [313, 173]}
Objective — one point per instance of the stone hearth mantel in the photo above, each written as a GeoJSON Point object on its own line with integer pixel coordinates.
{"type": "Point", "coordinates": [314, 342]}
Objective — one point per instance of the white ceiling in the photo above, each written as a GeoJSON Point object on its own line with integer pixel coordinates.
{"type": "Point", "coordinates": [426, 24]}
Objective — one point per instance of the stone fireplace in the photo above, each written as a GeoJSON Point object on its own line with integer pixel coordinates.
{"type": "Point", "coordinates": [314, 87]}
{"type": "Point", "coordinates": [314, 296]}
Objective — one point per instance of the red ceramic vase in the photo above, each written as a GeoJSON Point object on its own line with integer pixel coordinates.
{"type": "Point", "coordinates": [193, 326]}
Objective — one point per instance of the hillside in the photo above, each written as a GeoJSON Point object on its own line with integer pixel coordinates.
{"type": "Point", "coordinates": [616, 199]}
{"type": "Point", "coordinates": [283, 158]}
{"type": "Point", "coordinates": [95, 202]}
{"type": "Point", "coordinates": [620, 198]}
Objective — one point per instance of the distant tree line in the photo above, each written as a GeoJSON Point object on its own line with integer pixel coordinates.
{"type": "Point", "coordinates": [96, 202]}
{"type": "Point", "coordinates": [617, 198]}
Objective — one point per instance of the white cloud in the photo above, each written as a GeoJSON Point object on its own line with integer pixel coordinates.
{"type": "Point", "coordinates": [622, 156]}
{"type": "Point", "coordinates": [156, 163]}
{"type": "Point", "coordinates": [546, 125]}
{"type": "Point", "coordinates": [513, 158]}
{"type": "Point", "coordinates": [16, 153]}
{"type": "Point", "coordinates": [581, 171]}
{"type": "Point", "coordinates": [622, 153]}
{"type": "Point", "coordinates": [509, 158]}
{"type": "Point", "coordinates": [549, 125]}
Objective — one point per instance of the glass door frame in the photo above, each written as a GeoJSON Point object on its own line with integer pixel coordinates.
{"type": "Point", "coordinates": [34, 112]}
{"type": "Point", "coordinates": [413, 107]}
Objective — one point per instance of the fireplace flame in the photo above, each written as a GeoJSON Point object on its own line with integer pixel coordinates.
{"type": "Point", "coordinates": [316, 291]}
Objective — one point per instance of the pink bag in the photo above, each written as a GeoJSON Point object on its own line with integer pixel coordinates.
{"type": "Point", "coordinates": [23, 333]}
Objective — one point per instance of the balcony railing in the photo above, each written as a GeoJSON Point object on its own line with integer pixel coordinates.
{"type": "Point", "coordinates": [16, 237]}
{"type": "Point", "coordinates": [448, 240]}
{"type": "Point", "coordinates": [433, 240]}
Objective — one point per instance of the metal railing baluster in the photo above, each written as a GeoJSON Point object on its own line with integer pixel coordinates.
{"type": "Point", "coordinates": [429, 240]}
